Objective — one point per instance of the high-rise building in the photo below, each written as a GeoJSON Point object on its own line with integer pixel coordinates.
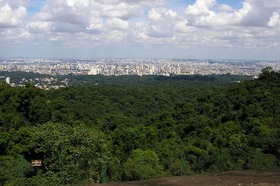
{"type": "Point", "coordinates": [8, 80]}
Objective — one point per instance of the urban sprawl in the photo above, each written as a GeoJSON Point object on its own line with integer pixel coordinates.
{"type": "Point", "coordinates": [140, 67]}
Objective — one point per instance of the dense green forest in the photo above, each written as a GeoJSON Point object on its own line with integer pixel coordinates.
{"type": "Point", "coordinates": [122, 132]}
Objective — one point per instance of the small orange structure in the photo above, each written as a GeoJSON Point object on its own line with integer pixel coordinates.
{"type": "Point", "coordinates": [36, 163]}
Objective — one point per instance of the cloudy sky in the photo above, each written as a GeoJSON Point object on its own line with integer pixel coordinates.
{"type": "Point", "coordinates": [212, 29]}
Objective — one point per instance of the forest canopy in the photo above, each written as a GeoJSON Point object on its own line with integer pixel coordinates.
{"type": "Point", "coordinates": [120, 132]}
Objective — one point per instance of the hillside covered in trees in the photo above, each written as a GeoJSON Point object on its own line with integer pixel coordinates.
{"type": "Point", "coordinates": [123, 132]}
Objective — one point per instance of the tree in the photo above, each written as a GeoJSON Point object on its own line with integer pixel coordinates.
{"type": "Point", "coordinates": [74, 152]}
{"type": "Point", "coordinates": [142, 164]}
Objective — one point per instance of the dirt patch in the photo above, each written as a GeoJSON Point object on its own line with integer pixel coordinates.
{"type": "Point", "coordinates": [231, 178]}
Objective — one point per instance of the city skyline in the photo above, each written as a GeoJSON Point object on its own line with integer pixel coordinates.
{"type": "Point", "coordinates": [198, 29]}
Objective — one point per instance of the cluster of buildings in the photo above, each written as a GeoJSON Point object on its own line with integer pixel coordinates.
{"type": "Point", "coordinates": [141, 67]}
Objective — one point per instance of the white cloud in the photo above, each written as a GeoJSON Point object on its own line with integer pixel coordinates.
{"type": "Point", "coordinates": [117, 24]}
{"type": "Point", "coordinates": [204, 24]}
{"type": "Point", "coordinates": [254, 13]}
{"type": "Point", "coordinates": [79, 3]}
{"type": "Point", "coordinates": [95, 24]}
{"type": "Point", "coordinates": [159, 31]}
{"type": "Point", "coordinates": [226, 8]}
{"type": "Point", "coordinates": [154, 14]}
{"type": "Point", "coordinates": [274, 20]}
{"type": "Point", "coordinates": [204, 13]}
{"type": "Point", "coordinates": [122, 10]}
{"type": "Point", "coordinates": [75, 16]}
{"type": "Point", "coordinates": [9, 16]}
{"type": "Point", "coordinates": [115, 36]}
{"type": "Point", "coordinates": [200, 7]}
{"type": "Point", "coordinates": [15, 3]}
{"type": "Point", "coordinates": [39, 26]}
{"type": "Point", "coordinates": [162, 23]}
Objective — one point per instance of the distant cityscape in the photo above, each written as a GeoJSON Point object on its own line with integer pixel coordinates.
{"type": "Point", "coordinates": [119, 67]}
{"type": "Point", "coordinates": [140, 67]}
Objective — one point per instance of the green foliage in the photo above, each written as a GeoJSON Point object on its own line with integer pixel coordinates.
{"type": "Point", "coordinates": [71, 149]}
{"type": "Point", "coordinates": [142, 165]}
{"type": "Point", "coordinates": [19, 141]}
{"type": "Point", "coordinates": [13, 171]}
{"type": "Point", "coordinates": [118, 131]}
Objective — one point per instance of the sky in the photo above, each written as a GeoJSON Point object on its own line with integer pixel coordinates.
{"type": "Point", "coordinates": [190, 29]}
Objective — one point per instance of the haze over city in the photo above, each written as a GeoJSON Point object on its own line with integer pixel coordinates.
{"type": "Point", "coordinates": [201, 29]}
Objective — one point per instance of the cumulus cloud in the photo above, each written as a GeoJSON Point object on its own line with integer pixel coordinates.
{"type": "Point", "coordinates": [200, 7]}
{"type": "Point", "coordinates": [123, 10]}
{"type": "Point", "coordinates": [11, 15]}
{"type": "Point", "coordinates": [15, 3]}
{"type": "Point", "coordinates": [39, 26]}
{"type": "Point", "coordinates": [141, 2]}
{"type": "Point", "coordinates": [226, 8]}
{"type": "Point", "coordinates": [254, 25]}
{"type": "Point", "coordinates": [117, 24]}
{"type": "Point", "coordinates": [95, 24]}
{"type": "Point", "coordinates": [162, 23]}
{"type": "Point", "coordinates": [88, 16]}
{"type": "Point", "coordinates": [161, 14]}
{"type": "Point", "coordinates": [202, 13]}
{"type": "Point", "coordinates": [274, 20]}
{"type": "Point", "coordinates": [205, 23]}
{"type": "Point", "coordinates": [255, 13]}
